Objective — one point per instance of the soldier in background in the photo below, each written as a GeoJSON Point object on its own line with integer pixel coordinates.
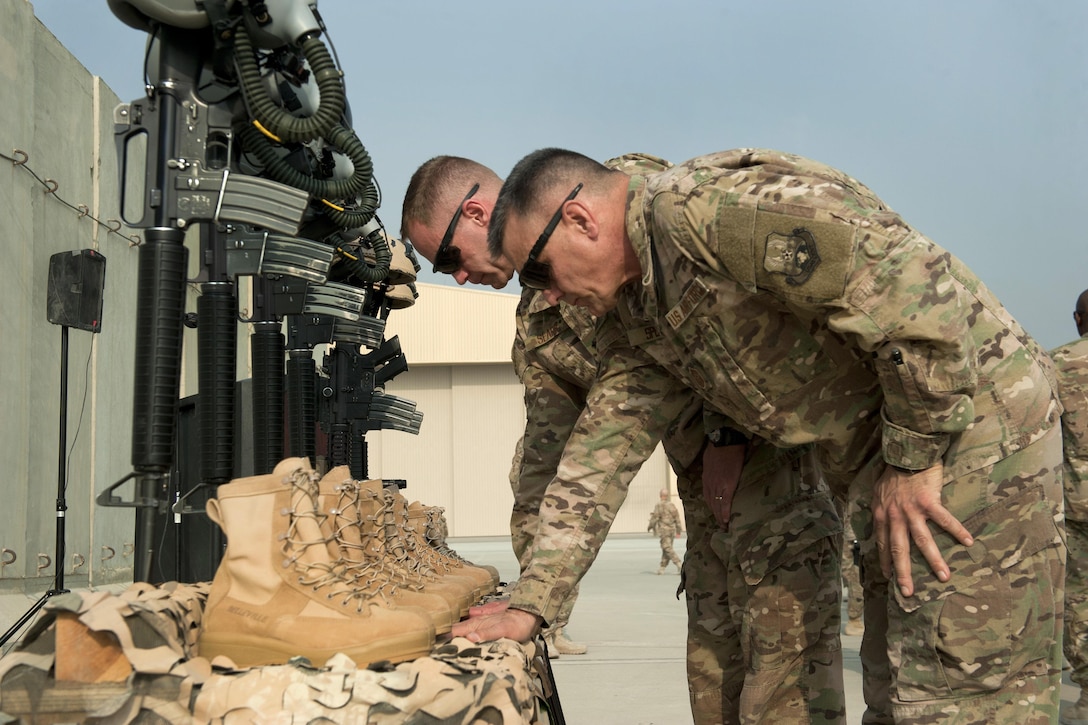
{"type": "Point", "coordinates": [665, 522]}
{"type": "Point", "coordinates": [1071, 361]}
{"type": "Point", "coordinates": [795, 301]}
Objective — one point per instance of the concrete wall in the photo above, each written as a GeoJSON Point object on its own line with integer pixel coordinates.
{"type": "Point", "coordinates": [59, 118]}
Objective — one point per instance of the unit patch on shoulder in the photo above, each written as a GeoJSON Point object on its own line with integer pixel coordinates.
{"type": "Point", "coordinates": [695, 293]}
{"type": "Point", "coordinates": [794, 256]}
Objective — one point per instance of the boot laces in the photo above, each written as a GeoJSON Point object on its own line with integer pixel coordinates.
{"type": "Point", "coordinates": [319, 575]}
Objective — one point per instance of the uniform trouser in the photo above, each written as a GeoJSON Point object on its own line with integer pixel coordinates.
{"type": "Point", "coordinates": [851, 575]}
{"type": "Point", "coordinates": [668, 554]}
{"type": "Point", "coordinates": [763, 601]}
{"type": "Point", "coordinates": [985, 646]}
{"type": "Point", "coordinates": [1076, 601]}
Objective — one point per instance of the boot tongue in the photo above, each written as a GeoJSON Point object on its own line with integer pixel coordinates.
{"type": "Point", "coordinates": [289, 465]}
{"type": "Point", "coordinates": [338, 494]}
{"type": "Point", "coordinates": [368, 513]}
{"type": "Point", "coordinates": [393, 518]}
{"type": "Point", "coordinates": [310, 538]}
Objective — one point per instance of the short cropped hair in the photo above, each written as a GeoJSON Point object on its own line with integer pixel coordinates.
{"type": "Point", "coordinates": [534, 178]}
{"type": "Point", "coordinates": [437, 178]}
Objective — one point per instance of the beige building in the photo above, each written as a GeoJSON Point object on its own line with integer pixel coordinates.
{"type": "Point", "coordinates": [457, 343]}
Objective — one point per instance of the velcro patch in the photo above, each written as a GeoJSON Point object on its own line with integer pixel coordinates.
{"type": "Point", "coordinates": [695, 293]}
{"type": "Point", "coordinates": [640, 335]}
{"type": "Point", "coordinates": [802, 257]}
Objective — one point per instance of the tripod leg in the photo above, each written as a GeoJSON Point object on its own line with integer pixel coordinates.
{"type": "Point", "coordinates": [28, 615]}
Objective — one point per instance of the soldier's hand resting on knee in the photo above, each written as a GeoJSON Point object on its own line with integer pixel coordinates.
{"type": "Point", "coordinates": [903, 502]}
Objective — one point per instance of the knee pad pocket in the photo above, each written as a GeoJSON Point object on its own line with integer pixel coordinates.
{"type": "Point", "coordinates": [994, 618]}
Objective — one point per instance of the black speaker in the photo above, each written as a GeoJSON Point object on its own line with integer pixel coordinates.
{"type": "Point", "coordinates": [76, 282]}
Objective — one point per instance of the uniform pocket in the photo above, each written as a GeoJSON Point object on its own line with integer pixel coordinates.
{"type": "Point", "coordinates": [967, 635]}
{"type": "Point", "coordinates": [791, 586]}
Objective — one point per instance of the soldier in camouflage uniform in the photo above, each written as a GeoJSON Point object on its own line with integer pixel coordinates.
{"type": "Point", "coordinates": [665, 523]}
{"type": "Point", "coordinates": [1071, 361]}
{"type": "Point", "coordinates": [794, 300]}
{"type": "Point", "coordinates": [740, 666]}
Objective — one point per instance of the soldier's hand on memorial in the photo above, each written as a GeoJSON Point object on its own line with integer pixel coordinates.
{"type": "Point", "coordinates": [516, 624]}
{"type": "Point", "coordinates": [722, 466]}
{"type": "Point", "coordinates": [493, 607]}
{"type": "Point", "coordinates": [903, 503]}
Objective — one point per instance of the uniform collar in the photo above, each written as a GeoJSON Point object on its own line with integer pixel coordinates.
{"type": "Point", "coordinates": [536, 301]}
{"type": "Point", "coordinates": [639, 200]}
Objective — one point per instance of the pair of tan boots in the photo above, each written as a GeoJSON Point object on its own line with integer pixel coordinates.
{"type": "Point", "coordinates": [319, 565]}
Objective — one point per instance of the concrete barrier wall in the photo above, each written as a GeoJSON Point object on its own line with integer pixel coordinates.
{"type": "Point", "coordinates": [55, 122]}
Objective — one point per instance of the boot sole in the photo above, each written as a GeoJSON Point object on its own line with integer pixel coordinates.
{"type": "Point", "coordinates": [247, 651]}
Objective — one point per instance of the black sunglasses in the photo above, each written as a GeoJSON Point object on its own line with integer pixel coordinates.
{"type": "Point", "coordinates": [447, 259]}
{"type": "Point", "coordinates": [538, 275]}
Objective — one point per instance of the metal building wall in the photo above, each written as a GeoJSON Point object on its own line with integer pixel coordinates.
{"type": "Point", "coordinates": [456, 325]}
{"type": "Point", "coordinates": [457, 343]}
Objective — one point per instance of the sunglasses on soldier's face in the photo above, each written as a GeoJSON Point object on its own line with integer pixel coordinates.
{"type": "Point", "coordinates": [447, 259]}
{"type": "Point", "coordinates": [536, 274]}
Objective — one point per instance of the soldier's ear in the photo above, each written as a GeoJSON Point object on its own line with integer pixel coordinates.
{"type": "Point", "coordinates": [582, 217]}
{"type": "Point", "coordinates": [477, 212]}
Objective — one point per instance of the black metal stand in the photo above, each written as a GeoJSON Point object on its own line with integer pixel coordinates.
{"type": "Point", "coordinates": [551, 710]}
{"type": "Point", "coordinates": [62, 505]}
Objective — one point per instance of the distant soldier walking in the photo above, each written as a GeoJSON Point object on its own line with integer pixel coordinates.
{"type": "Point", "coordinates": [665, 522]}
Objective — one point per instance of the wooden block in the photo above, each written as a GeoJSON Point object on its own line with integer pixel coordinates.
{"type": "Point", "coordinates": [86, 656]}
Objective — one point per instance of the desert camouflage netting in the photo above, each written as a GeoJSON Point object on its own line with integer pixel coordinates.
{"type": "Point", "coordinates": [156, 628]}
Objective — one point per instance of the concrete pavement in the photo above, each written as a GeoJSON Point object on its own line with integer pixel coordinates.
{"type": "Point", "coordinates": [634, 672]}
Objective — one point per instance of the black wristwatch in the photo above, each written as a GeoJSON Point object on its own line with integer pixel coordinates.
{"type": "Point", "coordinates": [726, 436]}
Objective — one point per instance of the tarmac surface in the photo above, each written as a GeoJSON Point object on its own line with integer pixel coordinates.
{"type": "Point", "coordinates": [634, 627]}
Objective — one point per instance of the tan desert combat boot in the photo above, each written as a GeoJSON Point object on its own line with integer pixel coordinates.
{"type": "Point", "coordinates": [280, 592]}
{"type": "Point", "coordinates": [417, 522]}
{"type": "Point", "coordinates": [401, 546]}
{"type": "Point", "coordinates": [366, 565]}
{"type": "Point", "coordinates": [435, 533]}
{"type": "Point", "coordinates": [401, 296]}
{"type": "Point", "coordinates": [402, 268]}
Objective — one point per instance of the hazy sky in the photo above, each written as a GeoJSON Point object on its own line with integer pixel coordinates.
{"type": "Point", "coordinates": [966, 116]}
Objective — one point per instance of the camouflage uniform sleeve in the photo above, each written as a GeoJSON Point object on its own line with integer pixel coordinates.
{"type": "Point", "coordinates": [552, 407]}
{"type": "Point", "coordinates": [921, 344]}
{"type": "Point", "coordinates": [627, 412]}
{"type": "Point", "coordinates": [832, 253]}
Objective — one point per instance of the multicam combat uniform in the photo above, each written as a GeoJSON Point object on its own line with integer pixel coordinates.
{"type": "Point", "coordinates": [851, 570]}
{"type": "Point", "coordinates": [1071, 361]}
{"type": "Point", "coordinates": [792, 298]}
{"type": "Point", "coordinates": [790, 568]}
{"type": "Point", "coordinates": [665, 523]}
